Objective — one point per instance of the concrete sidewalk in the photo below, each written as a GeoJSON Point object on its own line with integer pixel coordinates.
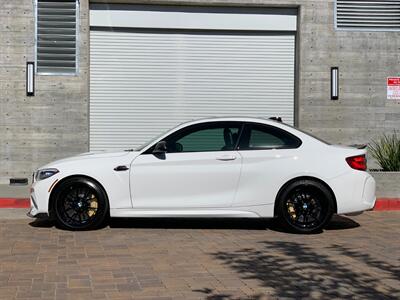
{"type": "Point", "coordinates": [16, 191]}
{"type": "Point", "coordinates": [14, 214]}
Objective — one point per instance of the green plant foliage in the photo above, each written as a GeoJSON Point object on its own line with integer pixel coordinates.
{"type": "Point", "coordinates": [386, 151]}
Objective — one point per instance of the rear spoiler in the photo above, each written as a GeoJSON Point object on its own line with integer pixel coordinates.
{"type": "Point", "coordinates": [278, 119]}
{"type": "Point", "coordinates": [359, 146]}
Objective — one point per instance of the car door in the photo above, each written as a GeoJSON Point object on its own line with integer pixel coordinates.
{"type": "Point", "coordinates": [269, 157]}
{"type": "Point", "coordinates": [201, 168]}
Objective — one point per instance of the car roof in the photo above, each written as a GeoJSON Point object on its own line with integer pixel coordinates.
{"type": "Point", "coordinates": [233, 119]}
{"type": "Point", "coordinates": [261, 120]}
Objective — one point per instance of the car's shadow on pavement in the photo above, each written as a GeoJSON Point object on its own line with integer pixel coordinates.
{"type": "Point", "coordinates": [341, 222]}
{"type": "Point", "coordinates": [42, 223]}
{"type": "Point", "coordinates": [337, 223]}
{"type": "Point", "coordinates": [190, 223]}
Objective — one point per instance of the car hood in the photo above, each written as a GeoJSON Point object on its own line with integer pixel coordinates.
{"type": "Point", "coordinates": [92, 156]}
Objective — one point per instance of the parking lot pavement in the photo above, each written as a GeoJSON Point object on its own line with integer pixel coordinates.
{"type": "Point", "coordinates": [355, 257]}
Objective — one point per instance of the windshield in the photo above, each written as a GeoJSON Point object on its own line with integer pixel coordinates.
{"type": "Point", "coordinates": [141, 147]}
{"type": "Point", "coordinates": [153, 140]}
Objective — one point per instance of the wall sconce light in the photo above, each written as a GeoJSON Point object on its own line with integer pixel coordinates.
{"type": "Point", "coordinates": [334, 83]}
{"type": "Point", "coordinates": [30, 78]}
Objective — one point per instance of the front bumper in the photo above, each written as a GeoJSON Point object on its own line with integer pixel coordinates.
{"type": "Point", "coordinates": [40, 194]}
{"type": "Point", "coordinates": [36, 215]}
{"type": "Point", "coordinates": [34, 210]}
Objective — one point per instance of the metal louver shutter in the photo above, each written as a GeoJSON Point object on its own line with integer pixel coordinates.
{"type": "Point", "coordinates": [143, 82]}
{"type": "Point", "coordinates": [56, 36]}
{"type": "Point", "coordinates": [368, 14]}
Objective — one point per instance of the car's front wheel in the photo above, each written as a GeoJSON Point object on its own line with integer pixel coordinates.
{"type": "Point", "coordinates": [305, 206]}
{"type": "Point", "coordinates": [79, 204]}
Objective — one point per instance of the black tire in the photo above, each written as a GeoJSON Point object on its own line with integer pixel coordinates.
{"type": "Point", "coordinates": [79, 204]}
{"type": "Point", "coordinates": [305, 206]}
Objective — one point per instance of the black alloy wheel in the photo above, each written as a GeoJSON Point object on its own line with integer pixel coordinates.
{"type": "Point", "coordinates": [80, 204]}
{"type": "Point", "coordinates": [305, 206]}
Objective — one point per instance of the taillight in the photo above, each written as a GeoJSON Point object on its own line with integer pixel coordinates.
{"type": "Point", "coordinates": [358, 162]}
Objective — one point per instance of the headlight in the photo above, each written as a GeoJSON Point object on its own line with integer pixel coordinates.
{"type": "Point", "coordinates": [45, 173]}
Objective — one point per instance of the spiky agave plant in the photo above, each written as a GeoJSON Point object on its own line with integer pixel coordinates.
{"type": "Point", "coordinates": [386, 151]}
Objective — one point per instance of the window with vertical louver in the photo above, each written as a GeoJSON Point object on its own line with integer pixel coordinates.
{"type": "Point", "coordinates": [368, 14]}
{"type": "Point", "coordinates": [56, 36]}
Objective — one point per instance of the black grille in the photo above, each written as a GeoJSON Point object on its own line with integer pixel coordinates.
{"type": "Point", "coordinates": [368, 14]}
{"type": "Point", "coordinates": [56, 36]}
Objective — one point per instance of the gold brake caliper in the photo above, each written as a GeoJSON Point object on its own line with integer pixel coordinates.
{"type": "Point", "coordinates": [93, 206]}
{"type": "Point", "coordinates": [291, 210]}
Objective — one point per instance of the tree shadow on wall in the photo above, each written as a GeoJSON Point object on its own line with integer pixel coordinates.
{"type": "Point", "coordinates": [293, 271]}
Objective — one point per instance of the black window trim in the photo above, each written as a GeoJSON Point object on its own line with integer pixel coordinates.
{"type": "Point", "coordinates": [245, 133]}
{"type": "Point", "coordinates": [241, 125]}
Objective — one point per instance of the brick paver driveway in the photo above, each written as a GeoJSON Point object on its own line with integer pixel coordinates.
{"type": "Point", "coordinates": [355, 257]}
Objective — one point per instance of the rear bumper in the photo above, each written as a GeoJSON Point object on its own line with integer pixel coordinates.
{"type": "Point", "coordinates": [355, 192]}
{"type": "Point", "coordinates": [369, 197]}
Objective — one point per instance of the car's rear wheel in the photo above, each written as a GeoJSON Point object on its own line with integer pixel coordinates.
{"type": "Point", "coordinates": [305, 206]}
{"type": "Point", "coordinates": [80, 204]}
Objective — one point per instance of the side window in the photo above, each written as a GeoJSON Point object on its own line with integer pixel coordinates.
{"type": "Point", "coordinates": [258, 137]}
{"type": "Point", "coordinates": [205, 137]}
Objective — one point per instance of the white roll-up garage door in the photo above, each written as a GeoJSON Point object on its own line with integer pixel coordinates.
{"type": "Point", "coordinates": [144, 81]}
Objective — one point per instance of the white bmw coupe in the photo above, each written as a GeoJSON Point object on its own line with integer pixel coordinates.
{"type": "Point", "coordinates": [217, 167]}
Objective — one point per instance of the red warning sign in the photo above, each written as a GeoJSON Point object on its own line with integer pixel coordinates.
{"type": "Point", "coordinates": [393, 88]}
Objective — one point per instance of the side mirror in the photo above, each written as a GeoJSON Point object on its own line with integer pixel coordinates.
{"type": "Point", "coordinates": [160, 148]}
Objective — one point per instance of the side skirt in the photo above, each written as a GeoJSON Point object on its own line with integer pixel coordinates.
{"type": "Point", "coordinates": [263, 211]}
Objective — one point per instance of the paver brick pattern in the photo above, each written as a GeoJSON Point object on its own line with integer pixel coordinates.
{"type": "Point", "coordinates": [354, 258]}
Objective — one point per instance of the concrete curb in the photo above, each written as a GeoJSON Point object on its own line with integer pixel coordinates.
{"type": "Point", "coordinates": [14, 203]}
{"type": "Point", "coordinates": [381, 204]}
{"type": "Point", "coordinates": [387, 204]}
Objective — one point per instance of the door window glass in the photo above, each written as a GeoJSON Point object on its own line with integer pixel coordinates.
{"type": "Point", "coordinates": [205, 137]}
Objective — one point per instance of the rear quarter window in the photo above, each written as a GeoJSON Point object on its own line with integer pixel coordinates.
{"type": "Point", "coordinates": [261, 136]}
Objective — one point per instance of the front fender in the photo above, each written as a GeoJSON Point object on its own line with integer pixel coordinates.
{"type": "Point", "coordinates": [115, 184]}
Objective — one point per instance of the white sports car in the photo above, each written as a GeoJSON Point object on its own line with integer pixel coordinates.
{"type": "Point", "coordinates": [217, 167]}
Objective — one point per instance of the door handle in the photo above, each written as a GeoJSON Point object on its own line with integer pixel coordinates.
{"type": "Point", "coordinates": [121, 168]}
{"type": "Point", "coordinates": [226, 157]}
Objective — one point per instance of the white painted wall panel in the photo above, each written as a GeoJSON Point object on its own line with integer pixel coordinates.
{"type": "Point", "coordinates": [144, 82]}
{"type": "Point", "coordinates": [193, 20]}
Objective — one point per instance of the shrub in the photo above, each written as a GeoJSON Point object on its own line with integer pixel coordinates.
{"type": "Point", "coordinates": [386, 151]}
